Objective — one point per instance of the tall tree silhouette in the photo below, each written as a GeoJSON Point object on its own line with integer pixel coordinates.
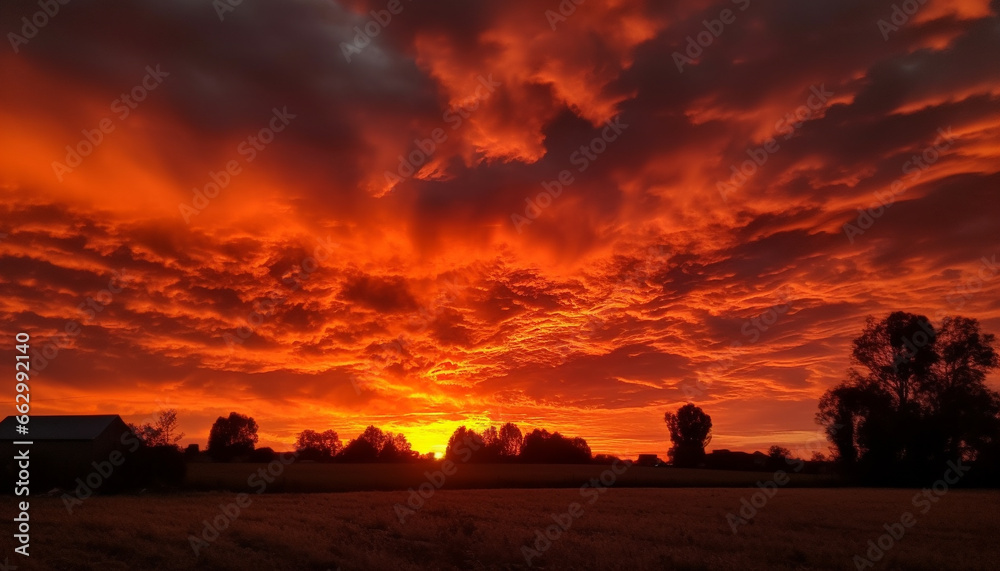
{"type": "Point", "coordinates": [396, 449]}
{"type": "Point", "coordinates": [491, 445]}
{"type": "Point", "coordinates": [232, 436]}
{"type": "Point", "coordinates": [690, 431]}
{"type": "Point", "coordinates": [915, 399]}
{"type": "Point", "coordinates": [510, 440]}
{"type": "Point", "coordinates": [464, 445]}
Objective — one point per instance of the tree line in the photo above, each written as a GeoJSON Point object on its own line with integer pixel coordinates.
{"type": "Point", "coordinates": [914, 405]}
{"type": "Point", "coordinates": [915, 401]}
{"type": "Point", "coordinates": [234, 438]}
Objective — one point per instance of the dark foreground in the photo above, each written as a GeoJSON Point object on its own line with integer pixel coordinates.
{"type": "Point", "coordinates": [303, 477]}
{"type": "Point", "coordinates": [487, 529]}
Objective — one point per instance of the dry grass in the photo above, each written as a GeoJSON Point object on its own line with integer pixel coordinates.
{"type": "Point", "coordinates": [485, 529]}
{"type": "Point", "coordinates": [302, 477]}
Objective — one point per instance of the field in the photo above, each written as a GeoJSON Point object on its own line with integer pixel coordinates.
{"type": "Point", "coordinates": [302, 477]}
{"type": "Point", "coordinates": [625, 528]}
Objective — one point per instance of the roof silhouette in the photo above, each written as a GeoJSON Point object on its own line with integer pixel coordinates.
{"type": "Point", "coordinates": [61, 427]}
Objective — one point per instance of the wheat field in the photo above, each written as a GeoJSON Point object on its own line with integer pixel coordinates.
{"type": "Point", "coordinates": [677, 528]}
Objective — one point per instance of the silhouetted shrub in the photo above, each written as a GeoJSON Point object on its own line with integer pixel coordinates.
{"type": "Point", "coordinates": [151, 466]}
{"type": "Point", "coordinates": [261, 455]}
{"type": "Point", "coordinates": [540, 447]}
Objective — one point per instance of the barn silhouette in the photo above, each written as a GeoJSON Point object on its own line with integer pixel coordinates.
{"type": "Point", "coordinates": [67, 448]}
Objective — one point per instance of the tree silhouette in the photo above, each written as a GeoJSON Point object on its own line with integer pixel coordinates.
{"type": "Point", "coordinates": [376, 437]}
{"type": "Point", "coordinates": [540, 446]}
{"type": "Point", "coordinates": [376, 445]}
{"type": "Point", "coordinates": [915, 399]}
{"type": "Point", "coordinates": [510, 440]}
{"type": "Point", "coordinates": [464, 445]}
{"type": "Point", "coordinates": [690, 431]}
{"type": "Point", "coordinates": [359, 450]}
{"type": "Point", "coordinates": [232, 437]}
{"type": "Point", "coordinates": [262, 455]}
{"type": "Point", "coordinates": [778, 457]}
{"type": "Point", "coordinates": [161, 432]}
{"type": "Point", "coordinates": [396, 449]}
{"type": "Point", "coordinates": [778, 452]}
{"type": "Point", "coordinates": [318, 446]}
{"type": "Point", "coordinates": [491, 445]}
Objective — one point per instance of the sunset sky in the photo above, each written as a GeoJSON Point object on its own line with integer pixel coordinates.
{"type": "Point", "coordinates": [460, 293]}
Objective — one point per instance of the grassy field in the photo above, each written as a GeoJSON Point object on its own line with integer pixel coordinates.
{"type": "Point", "coordinates": [301, 477]}
{"type": "Point", "coordinates": [486, 529]}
